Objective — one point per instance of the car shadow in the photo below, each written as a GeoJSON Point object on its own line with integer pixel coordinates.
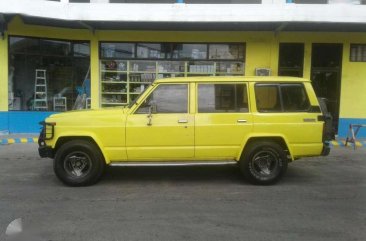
{"type": "Point", "coordinates": [223, 174]}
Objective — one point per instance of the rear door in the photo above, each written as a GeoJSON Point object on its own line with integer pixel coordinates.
{"type": "Point", "coordinates": [222, 119]}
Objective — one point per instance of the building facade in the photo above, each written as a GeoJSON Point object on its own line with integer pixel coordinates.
{"type": "Point", "coordinates": [72, 54]}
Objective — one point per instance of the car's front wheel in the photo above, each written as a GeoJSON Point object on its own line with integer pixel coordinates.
{"type": "Point", "coordinates": [79, 163]}
{"type": "Point", "coordinates": [263, 162]}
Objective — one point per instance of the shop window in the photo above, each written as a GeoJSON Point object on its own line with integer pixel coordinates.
{"type": "Point", "coordinates": [81, 49]}
{"type": "Point", "coordinates": [166, 98]}
{"type": "Point", "coordinates": [291, 59]}
{"type": "Point", "coordinates": [62, 67]}
{"type": "Point", "coordinates": [24, 45]}
{"type": "Point", "coordinates": [358, 53]}
{"type": "Point", "coordinates": [226, 51]}
{"type": "Point", "coordinates": [128, 68]}
{"type": "Point", "coordinates": [188, 51]}
{"type": "Point", "coordinates": [219, 98]}
{"type": "Point", "coordinates": [151, 51]}
{"type": "Point", "coordinates": [117, 50]}
{"type": "Point", "coordinates": [281, 98]}
{"type": "Point", "coordinates": [55, 47]}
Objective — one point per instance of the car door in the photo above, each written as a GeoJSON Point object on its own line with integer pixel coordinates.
{"type": "Point", "coordinates": [222, 120]}
{"type": "Point", "coordinates": [161, 127]}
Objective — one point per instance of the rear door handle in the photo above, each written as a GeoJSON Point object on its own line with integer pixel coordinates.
{"type": "Point", "coordinates": [242, 121]}
{"type": "Point", "coordinates": [182, 121]}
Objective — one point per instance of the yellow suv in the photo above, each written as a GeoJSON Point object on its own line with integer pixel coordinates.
{"type": "Point", "coordinates": [258, 123]}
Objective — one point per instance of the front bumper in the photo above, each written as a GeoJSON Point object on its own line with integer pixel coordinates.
{"type": "Point", "coordinates": [45, 151]}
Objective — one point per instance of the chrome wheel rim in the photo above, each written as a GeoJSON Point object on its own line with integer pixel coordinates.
{"type": "Point", "coordinates": [77, 164]}
{"type": "Point", "coordinates": [265, 164]}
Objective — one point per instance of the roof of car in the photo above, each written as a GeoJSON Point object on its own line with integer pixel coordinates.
{"type": "Point", "coordinates": [232, 78]}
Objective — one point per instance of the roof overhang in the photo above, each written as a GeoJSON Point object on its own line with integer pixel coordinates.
{"type": "Point", "coordinates": [196, 17]}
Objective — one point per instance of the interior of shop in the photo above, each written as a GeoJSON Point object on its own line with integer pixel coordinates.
{"type": "Point", "coordinates": [48, 74]}
{"type": "Point", "coordinates": [128, 68]}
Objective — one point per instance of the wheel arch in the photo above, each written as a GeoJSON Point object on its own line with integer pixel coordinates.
{"type": "Point", "coordinates": [280, 140]}
{"type": "Point", "coordinates": [61, 140]}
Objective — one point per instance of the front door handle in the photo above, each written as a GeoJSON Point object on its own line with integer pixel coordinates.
{"type": "Point", "coordinates": [182, 121]}
{"type": "Point", "coordinates": [242, 121]}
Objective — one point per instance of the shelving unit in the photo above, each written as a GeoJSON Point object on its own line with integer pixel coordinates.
{"type": "Point", "coordinates": [123, 80]}
{"type": "Point", "coordinates": [59, 104]}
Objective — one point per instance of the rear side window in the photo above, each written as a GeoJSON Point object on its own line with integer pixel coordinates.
{"type": "Point", "coordinates": [294, 98]}
{"type": "Point", "coordinates": [281, 98]}
{"type": "Point", "coordinates": [219, 98]}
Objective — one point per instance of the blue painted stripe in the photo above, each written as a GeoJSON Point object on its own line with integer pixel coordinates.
{"type": "Point", "coordinates": [343, 127]}
{"type": "Point", "coordinates": [22, 121]}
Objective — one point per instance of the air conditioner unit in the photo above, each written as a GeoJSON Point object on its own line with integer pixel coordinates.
{"type": "Point", "coordinates": [262, 72]}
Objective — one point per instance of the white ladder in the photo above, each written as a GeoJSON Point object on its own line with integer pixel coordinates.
{"type": "Point", "coordinates": [40, 90]}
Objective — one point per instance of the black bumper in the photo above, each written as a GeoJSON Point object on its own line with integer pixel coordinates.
{"type": "Point", "coordinates": [45, 151]}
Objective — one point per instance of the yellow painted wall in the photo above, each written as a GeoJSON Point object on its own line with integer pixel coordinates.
{"type": "Point", "coordinates": [353, 90]}
{"type": "Point", "coordinates": [261, 51]}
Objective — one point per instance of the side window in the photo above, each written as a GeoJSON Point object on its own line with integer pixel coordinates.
{"type": "Point", "coordinates": [294, 98]}
{"type": "Point", "coordinates": [281, 98]}
{"type": "Point", "coordinates": [268, 98]}
{"type": "Point", "coordinates": [219, 98]}
{"type": "Point", "coordinates": [166, 98]}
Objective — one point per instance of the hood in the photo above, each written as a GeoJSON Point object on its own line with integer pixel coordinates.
{"type": "Point", "coordinates": [87, 114]}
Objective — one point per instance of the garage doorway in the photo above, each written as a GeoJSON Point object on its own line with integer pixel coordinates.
{"type": "Point", "coordinates": [326, 66]}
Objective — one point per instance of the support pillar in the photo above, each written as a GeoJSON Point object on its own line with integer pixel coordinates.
{"type": "Point", "coordinates": [94, 73]}
{"type": "Point", "coordinates": [4, 72]}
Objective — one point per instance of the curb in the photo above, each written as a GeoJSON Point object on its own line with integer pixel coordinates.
{"type": "Point", "coordinates": [341, 143]}
{"type": "Point", "coordinates": [7, 141]}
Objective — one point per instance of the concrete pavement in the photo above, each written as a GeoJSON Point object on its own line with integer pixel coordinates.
{"type": "Point", "coordinates": [319, 199]}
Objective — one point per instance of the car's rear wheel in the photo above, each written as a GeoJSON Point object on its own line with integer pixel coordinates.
{"type": "Point", "coordinates": [79, 163]}
{"type": "Point", "coordinates": [263, 162]}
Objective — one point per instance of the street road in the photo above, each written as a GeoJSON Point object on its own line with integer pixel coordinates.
{"type": "Point", "coordinates": [319, 199]}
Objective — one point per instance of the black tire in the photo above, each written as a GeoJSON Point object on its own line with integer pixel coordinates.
{"type": "Point", "coordinates": [263, 162]}
{"type": "Point", "coordinates": [79, 163]}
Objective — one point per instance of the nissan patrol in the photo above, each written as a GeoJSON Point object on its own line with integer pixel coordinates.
{"type": "Point", "coordinates": [258, 123]}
